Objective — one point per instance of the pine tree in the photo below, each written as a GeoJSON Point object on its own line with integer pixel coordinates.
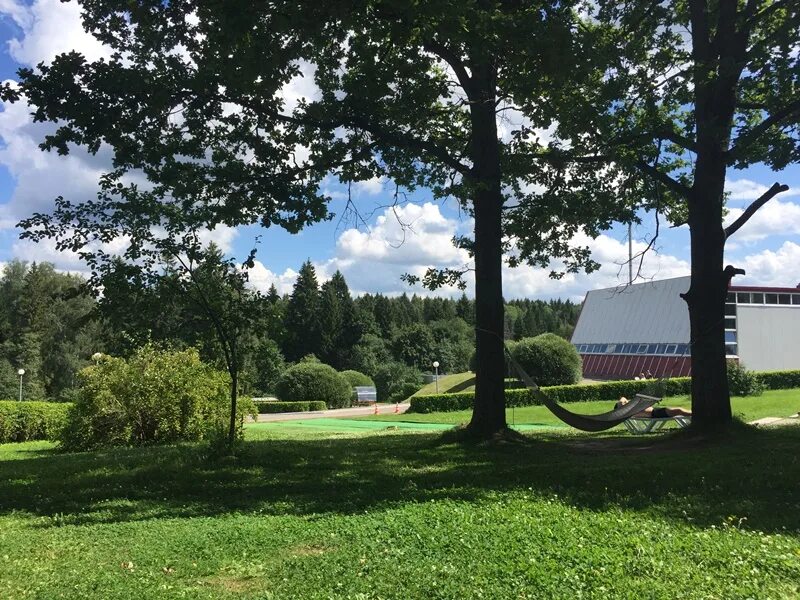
{"type": "Point", "coordinates": [330, 324]}
{"type": "Point", "coordinates": [465, 309]}
{"type": "Point", "coordinates": [302, 316]}
{"type": "Point", "coordinates": [272, 294]}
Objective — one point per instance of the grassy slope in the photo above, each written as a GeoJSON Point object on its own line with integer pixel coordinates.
{"type": "Point", "coordinates": [457, 382]}
{"type": "Point", "coordinates": [773, 403]}
{"type": "Point", "coordinates": [460, 382]}
{"type": "Point", "coordinates": [397, 515]}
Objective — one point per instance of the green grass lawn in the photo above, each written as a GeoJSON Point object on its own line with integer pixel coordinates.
{"type": "Point", "coordinates": [304, 514]}
{"type": "Point", "coordinates": [773, 403]}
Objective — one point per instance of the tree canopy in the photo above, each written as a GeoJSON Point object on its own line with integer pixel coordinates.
{"type": "Point", "coordinates": [191, 101]}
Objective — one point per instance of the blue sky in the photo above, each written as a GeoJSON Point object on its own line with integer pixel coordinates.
{"type": "Point", "coordinates": [372, 258]}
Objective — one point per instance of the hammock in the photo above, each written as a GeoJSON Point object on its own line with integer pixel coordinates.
{"type": "Point", "coordinates": [599, 422]}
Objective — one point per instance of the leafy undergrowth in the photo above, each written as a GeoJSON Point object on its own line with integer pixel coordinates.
{"type": "Point", "coordinates": [398, 515]}
{"type": "Point", "coordinates": [773, 403]}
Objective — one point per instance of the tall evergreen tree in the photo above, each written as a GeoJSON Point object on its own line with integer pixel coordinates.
{"type": "Point", "coordinates": [272, 294]}
{"type": "Point", "coordinates": [330, 324]}
{"type": "Point", "coordinates": [465, 309]}
{"type": "Point", "coordinates": [302, 319]}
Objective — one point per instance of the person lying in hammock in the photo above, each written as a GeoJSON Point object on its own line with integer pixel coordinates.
{"type": "Point", "coordinates": [655, 412]}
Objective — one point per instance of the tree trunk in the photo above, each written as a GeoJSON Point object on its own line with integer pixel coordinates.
{"type": "Point", "coordinates": [234, 373]}
{"type": "Point", "coordinates": [711, 404]}
{"type": "Point", "coordinates": [488, 415]}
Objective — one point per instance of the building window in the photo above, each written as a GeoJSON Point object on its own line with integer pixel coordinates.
{"type": "Point", "coordinates": [642, 349]}
{"type": "Point", "coordinates": [730, 323]}
{"type": "Point", "coordinates": [758, 298]}
{"type": "Point", "coordinates": [611, 348]}
{"type": "Point", "coordinates": [731, 297]}
{"type": "Point", "coordinates": [671, 348]}
{"type": "Point", "coordinates": [661, 349]}
{"type": "Point", "coordinates": [730, 350]}
{"type": "Point", "coordinates": [796, 299]}
{"type": "Point", "coordinates": [743, 297]}
{"type": "Point", "coordinates": [784, 299]}
{"type": "Point", "coordinates": [730, 336]}
{"type": "Point", "coordinates": [730, 310]}
{"type": "Point", "coordinates": [771, 298]}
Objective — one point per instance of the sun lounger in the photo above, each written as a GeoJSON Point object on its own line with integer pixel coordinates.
{"type": "Point", "coordinates": [640, 425]}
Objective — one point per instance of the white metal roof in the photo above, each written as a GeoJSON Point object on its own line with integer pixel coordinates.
{"type": "Point", "coordinates": [651, 312]}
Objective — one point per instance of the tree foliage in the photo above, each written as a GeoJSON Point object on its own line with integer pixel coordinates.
{"type": "Point", "coordinates": [412, 91]}
{"type": "Point", "coordinates": [155, 397]}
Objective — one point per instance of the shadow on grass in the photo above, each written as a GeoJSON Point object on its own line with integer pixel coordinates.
{"type": "Point", "coordinates": [752, 474]}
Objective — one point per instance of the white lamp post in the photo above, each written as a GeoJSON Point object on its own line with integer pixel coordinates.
{"type": "Point", "coordinates": [436, 367]}
{"type": "Point", "coordinates": [21, 372]}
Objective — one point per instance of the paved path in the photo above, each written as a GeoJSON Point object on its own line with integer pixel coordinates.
{"type": "Point", "coordinates": [357, 411]}
{"type": "Point", "coordinates": [776, 421]}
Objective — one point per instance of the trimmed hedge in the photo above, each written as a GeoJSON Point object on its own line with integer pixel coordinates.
{"type": "Point", "coordinates": [780, 380]}
{"type": "Point", "coordinates": [25, 421]}
{"type": "Point", "coordinates": [611, 390]}
{"type": "Point", "coordinates": [270, 407]}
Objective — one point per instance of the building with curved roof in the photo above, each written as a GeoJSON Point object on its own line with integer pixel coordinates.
{"type": "Point", "coordinates": [643, 329]}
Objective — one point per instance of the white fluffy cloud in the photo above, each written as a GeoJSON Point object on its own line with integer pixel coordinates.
{"type": "Point", "coordinates": [49, 27]}
{"type": "Point", "coordinates": [776, 218]}
{"type": "Point", "coordinates": [415, 237]}
{"type": "Point", "coordinates": [779, 268]}
{"type": "Point", "coordinates": [262, 278]}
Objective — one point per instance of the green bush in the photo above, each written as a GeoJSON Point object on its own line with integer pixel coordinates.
{"type": "Point", "coordinates": [265, 408]}
{"type": "Point", "coordinates": [780, 380]}
{"type": "Point", "coordinates": [309, 381]}
{"type": "Point", "coordinates": [155, 397]}
{"type": "Point", "coordinates": [611, 391]}
{"type": "Point", "coordinates": [395, 382]}
{"type": "Point", "coordinates": [355, 378]}
{"type": "Point", "coordinates": [742, 382]}
{"type": "Point", "coordinates": [548, 359]}
{"type": "Point", "coordinates": [25, 421]}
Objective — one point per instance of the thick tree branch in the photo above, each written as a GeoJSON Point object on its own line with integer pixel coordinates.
{"type": "Point", "coordinates": [659, 175]}
{"type": "Point", "coordinates": [790, 110]}
{"type": "Point", "coordinates": [776, 189]}
{"type": "Point", "coordinates": [382, 136]}
{"type": "Point", "coordinates": [676, 138]}
{"type": "Point", "coordinates": [455, 63]}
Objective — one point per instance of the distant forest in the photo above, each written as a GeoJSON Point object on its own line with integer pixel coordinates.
{"type": "Point", "coordinates": [51, 324]}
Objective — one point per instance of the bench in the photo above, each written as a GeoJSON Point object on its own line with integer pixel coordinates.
{"type": "Point", "coordinates": [641, 425]}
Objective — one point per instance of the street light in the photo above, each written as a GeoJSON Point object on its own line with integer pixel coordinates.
{"type": "Point", "coordinates": [436, 366]}
{"type": "Point", "coordinates": [21, 372]}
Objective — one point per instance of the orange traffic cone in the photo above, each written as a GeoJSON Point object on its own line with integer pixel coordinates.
{"type": "Point", "coordinates": [376, 409]}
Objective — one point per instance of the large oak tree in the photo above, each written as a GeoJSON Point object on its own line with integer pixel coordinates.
{"type": "Point", "coordinates": [706, 86]}
{"type": "Point", "coordinates": [418, 92]}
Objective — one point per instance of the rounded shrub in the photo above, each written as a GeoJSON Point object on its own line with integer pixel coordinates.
{"type": "Point", "coordinates": [309, 381]}
{"type": "Point", "coordinates": [155, 397]}
{"type": "Point", "coordinates": [548, 359]}
{"type": "Point", "coordinates": [394, 382]}
{"type": "Point", "coordinates": [355, 378]}
{"type": "Point", "coordinates": [742, 382]}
